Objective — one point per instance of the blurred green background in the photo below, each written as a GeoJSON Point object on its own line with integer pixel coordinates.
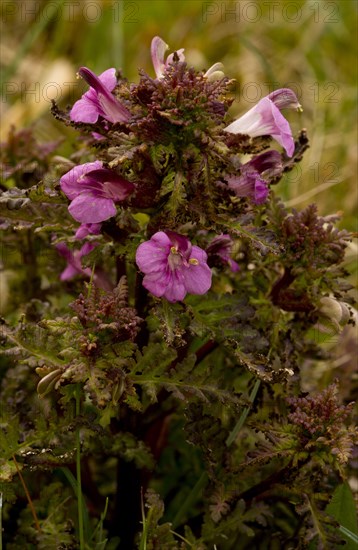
{"type": "Point", "coordinates": [309, 46]}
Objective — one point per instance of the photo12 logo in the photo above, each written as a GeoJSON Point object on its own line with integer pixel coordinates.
{"type": "Point", "coordinates": [270, 12]}
{"type": "Point", "coordinates": [38, 92]}
{"type": "Point", "coordinates": [90, 12]}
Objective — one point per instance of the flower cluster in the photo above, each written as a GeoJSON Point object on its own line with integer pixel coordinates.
{"type": "Point", "coordinates": [320, 413]}
{"type": "Point", "coordinates": [322, 419]}
{"type": "Point", "coordinates": [182, 116]}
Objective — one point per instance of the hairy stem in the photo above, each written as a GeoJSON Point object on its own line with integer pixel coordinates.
{"type": "Point", "coordinates": [78, 472]}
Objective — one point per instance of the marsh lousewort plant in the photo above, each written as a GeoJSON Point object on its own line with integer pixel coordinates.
{"type": "Point", "coordinates": [154, 390]}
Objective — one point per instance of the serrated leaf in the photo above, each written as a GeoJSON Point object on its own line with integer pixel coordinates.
{"type": "Point", "coordinates": [161, 155]}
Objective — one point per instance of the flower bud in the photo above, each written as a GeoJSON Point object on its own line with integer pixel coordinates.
{"type": "Point", "coordinates": [48, 382]}
{"type": "Point", "coordinates": [337, 312]}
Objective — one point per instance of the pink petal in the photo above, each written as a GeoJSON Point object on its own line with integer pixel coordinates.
{"type": "Point", "coordinates": [261, 190]}
{"type": "Point", "coordinates": [63, 249]}
{"type": "Point", "coordinates": [156, 285]}
{"type": "Point", "coordinates": [108, 184]}
{"type": "Point", "coordinates": [69, 181]}
{"type": "Point", "coordinates": [176, 289]}
{"type": "Point", "coordinates": [283, 132]}
{"type": "Point", "coordinates": [69, 273]}
{"type": "Point", "coordinates": [109, 79]}
{"type": "Point", "coordinates": [181, 243]}
{"type": "Point", "coordinates": [264, 119]}
{"type": "Point", "coordinates": [86, 249]}
{"type": "Point", "coordinates": [269, 160]}
{"type": "Point", "coordinates": [249, 123]}
{"type": "Point", "coordinates": [199, 254]}
{"type": "Point", "coordinates": [157, 50]}
{"type": "Point", "coordinates": [84, 110]}
{"type": "Point", "coordinates": [153, 255]}
{"type": "Point", "coordinates": [112, 109]}
{"type": "Point", "coordinates": [284, 98]}
{"type": "Point", "coordinates": [234, 266]}
{"type": "Point", "coordinates": [86, 208]}
{"type": "Point", "coordinates": [87, 229]}
{"type": "Point", "coordinates": [197, 278]}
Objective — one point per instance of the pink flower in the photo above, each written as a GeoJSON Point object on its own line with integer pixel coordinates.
{"type": "Point", "coordinates": [74, 265]}
{"type": "Point", "coordinates": [88, 229]}
{"type": "Point", "coordinates": [94, 190]}
{"type": "Point", "coordinates": [221, 246]}
{"type": "Point", "coordinates": [173, 266]}
{"type": "Point", "coordinates": [250, 182]}
{"type": "Point", "coordinates": [158, 49]}
{"type": "Point", "coordinates": [265, 118]}
{"type": "Point", "coordinates": [99, 101]}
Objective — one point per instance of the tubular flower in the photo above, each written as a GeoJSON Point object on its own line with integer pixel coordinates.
{"type": "Point", "coordinates": [99, 101]}
{"type": "Point", "coordinates": [221, 246]}
{"type": "Point", "coordinates": [157, 50]}
{"type": "Point", "coordinates": [94, 191]}
{"type": "Point", "coordinates": [74, 266]}
{"type": "Point", "coordinates": [250, 183]}
{"type": "Point", "coordinates": [88, 229]}
{"type": "Point", "coordinates": [265, 118]}
{"type": "Point", "coordinates": [173, 266]}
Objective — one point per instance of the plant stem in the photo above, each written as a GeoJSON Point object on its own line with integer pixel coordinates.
{"type": "Point", "coordinates": [32, 508]}
{"type": "Point", "coordinates": [0, 521]}
{"type": "Point", "coordinates": [143, 539]}
{"type": "Point", "coordinates": [243, 416]}
{"type": "Point", "coordinates": [205, 349]}
{"type": "Point", "coordinates": [78, 472]}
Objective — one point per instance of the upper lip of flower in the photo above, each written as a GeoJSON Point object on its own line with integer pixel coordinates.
{"type": "Point", "coordinates": [105, 183]}
{"type": "Point", "coordinates": [284, 98]}
{"type": "Point", "coordinates": [181, 244]}
{"type": "Point", "coordinates": [158, 49]}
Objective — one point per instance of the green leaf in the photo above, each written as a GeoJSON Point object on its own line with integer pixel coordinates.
{"type": "Point", "coordinates": [161, 155]}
